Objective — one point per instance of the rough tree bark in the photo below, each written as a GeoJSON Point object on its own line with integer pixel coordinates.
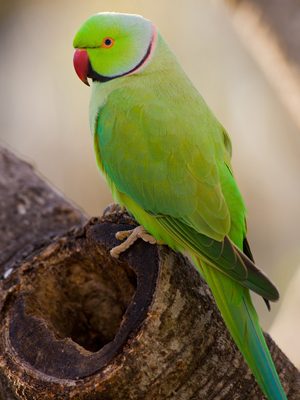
{"type": "Point", "coordinates": [77, 324]}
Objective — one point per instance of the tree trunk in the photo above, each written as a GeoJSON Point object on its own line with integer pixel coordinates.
{"type": "Point", "coordinates": [77, 324]}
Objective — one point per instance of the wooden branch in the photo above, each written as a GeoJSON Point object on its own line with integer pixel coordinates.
{"type": "Point", "coordinates": [31, 212]}
{"type": "Point", "coordinates": [77, 324]}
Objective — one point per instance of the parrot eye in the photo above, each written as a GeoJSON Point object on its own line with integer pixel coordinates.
{"type": "Point", "coordinates": [107, 42]}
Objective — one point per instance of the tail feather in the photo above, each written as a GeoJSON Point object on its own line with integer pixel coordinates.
{"type": "Point", "coordinates": [242, 322]}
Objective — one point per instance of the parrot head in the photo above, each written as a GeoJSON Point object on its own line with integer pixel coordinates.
{"type": "Point", "coordinates": [112, 45]}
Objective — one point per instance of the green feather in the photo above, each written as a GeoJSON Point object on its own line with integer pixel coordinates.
{"type": "Point", "coordinates": [224, 256]}
{"type": "Point", "coordinates": [242, 322]}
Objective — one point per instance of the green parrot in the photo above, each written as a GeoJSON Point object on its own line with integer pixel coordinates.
{"type": "Point", "coordinates": [166, 159]}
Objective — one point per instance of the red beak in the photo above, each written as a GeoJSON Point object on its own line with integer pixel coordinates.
{"type": "Point", "coordinates": [82, 64]}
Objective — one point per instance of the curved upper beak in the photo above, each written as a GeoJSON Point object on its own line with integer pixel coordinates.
{"type": "Point", "coordinates": [82, 64]}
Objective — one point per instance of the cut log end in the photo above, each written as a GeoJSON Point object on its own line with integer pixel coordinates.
{"type": "Point", "coordinates": [69, 311]}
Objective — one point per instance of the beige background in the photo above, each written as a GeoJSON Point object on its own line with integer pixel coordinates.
{"type": "Point", "coordinates": [44, 118]}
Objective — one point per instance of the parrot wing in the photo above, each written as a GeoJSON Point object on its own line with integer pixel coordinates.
{"type": "Point", "coordinates": [170, 169]}
{"type": "Point", "coordinates": [224, 255]}
{"type": "Point", "coordinates": [148, 154]}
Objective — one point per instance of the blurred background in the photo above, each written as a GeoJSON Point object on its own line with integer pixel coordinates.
{"type": "Point", "coordinates": [234, 56]}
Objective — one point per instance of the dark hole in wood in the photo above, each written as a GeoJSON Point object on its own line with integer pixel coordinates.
{"type": "Point", "coordinates": [82, 299]}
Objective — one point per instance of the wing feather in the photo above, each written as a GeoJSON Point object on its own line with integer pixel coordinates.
{"type": "Point", "coordinates": [225, 256]}
{"type": "Point", "coordinates": [178, 171]}
{"type": "Point", "coordinates": [167, 164]}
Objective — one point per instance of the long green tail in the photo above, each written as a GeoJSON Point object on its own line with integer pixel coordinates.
{"type": "Point", "coordinates": [241, 320]}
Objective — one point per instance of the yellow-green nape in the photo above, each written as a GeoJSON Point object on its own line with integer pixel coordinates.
{"type": "Point", "coordinates": [102, 24]}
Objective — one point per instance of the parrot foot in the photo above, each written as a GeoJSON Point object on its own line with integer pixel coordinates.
{"type": "Point", "coordinates": [131, 236]}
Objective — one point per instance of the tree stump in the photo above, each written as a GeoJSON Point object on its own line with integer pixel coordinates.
{"type": "Point", "coordinates": [78, 324]}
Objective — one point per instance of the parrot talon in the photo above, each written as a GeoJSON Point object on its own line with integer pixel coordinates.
{"type": "Point", "coordinates": [122, 235]}
{"type": "Point", "coordinates": [131, 237]}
